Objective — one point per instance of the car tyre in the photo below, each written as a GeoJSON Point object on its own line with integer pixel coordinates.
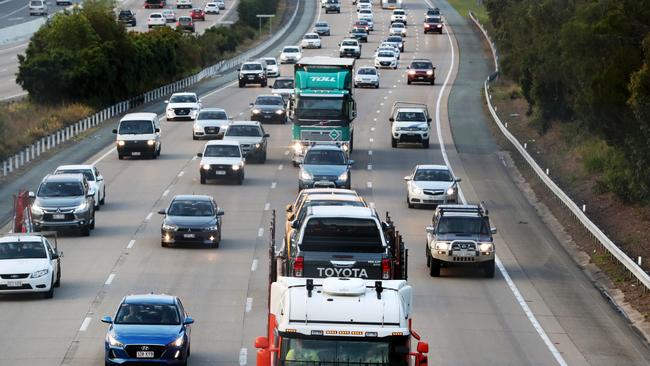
{"type": "Point", "coordinates": [92, 226]}
{"type": "Point", "coordinates": [103, 200]}
{"type": "Point", "coordinates": [425, 144]}
{"type": "Point", "coordinates": [376, 86]}
{"type": "Point", "coordinates": [434, 268]}
{"type": "Point", "coordinates": [85, 230]}
{"type": "Point", "coordinates": [194, 137]}
{"type": "Point", "coordinates": [57, 283]}
{"type": "Point", "coordinates": [428, 257]}
{"type": "Point", "coordinates": [488, 268]}
{"type": "Point", "coordinates": [263, 158]}
{"type": "Point", "coordinates": [408, 81]}
{"type": "Point", "coordinates": [408, 202]}
{"type": "Point", "coordinates": [49, 294]}
{"type": "Point", "coordinates": [393, 142]}
{"type": "Point", "coordinates": [202, 179]}
{"type": "Point", "coordinates": [240, 179]}
{"type": "Point", "coordinates": [120, 156]}
{"type": "Point", "coordinates": [264, 84]}
{"type": "Point", "coordinates": [241, 85]}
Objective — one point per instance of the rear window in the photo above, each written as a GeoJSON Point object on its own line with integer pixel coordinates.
{"type": "Point", "coordinates": [394, 39]}
{"type": "Point", "coordinates": [155, 15]}
{"type": "Point", "coordinates": [367, 71]}
{"type": "Point", "coordinates": [342, 235]}
{"type": "Point", "coordinates": [270, 61]}
{"type": "Point", "coordinates": [291, 50]}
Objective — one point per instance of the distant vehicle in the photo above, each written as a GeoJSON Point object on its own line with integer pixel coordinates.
{"type": "Point", "coordinates": [332, 6]}
{"type": "Point", "coordinates": [221, 4]}
{"type": "Point", "coordinates": [399, 15]}
{"type": "Point", "coordinates": [283, 86]}
{"type": "Point", "coordinates": [95, 180]}
{"type": "Point", "coordinates": [325, 166]}
{"type": "Point", "coordinates": [310, 40]}
{"type": "Point", "coordinates": [431, 185]}
{"type": "Point", "coordinates": [272, 69]}
{"type": "Point", "coordinates": [169, 15]}
{"type": "Point", "coordinates": [350, 48]}
{"type": "Point", "coordinates": [191, 219]}
{"type": "Point", "coordinates": [391, 4]}
{"type": "Point", "coordinates": [37, 7]}
{"type": "Point", "coordinates": [421, 70]}
{"type": "Point", "coordinates": [210, 123]}
{"type": "Point", "coordinates": [29, 263]}
{"type": "Point", "coordinates": [397, 41]}
{"type": "Point", "coordinates": [183, 4]}
{"type": "Point", "coordinates": [361, 23]}
{"type": "Point", "coordinates": [367, 6]}
{"type": "Point", "coordinates": [360, 34]}
{"type": "Point", "coordinates": [410, 122]}
{"type": "Point", "coordinates": [268, 108]}
{"type": "Point", "coordinates": [251, 137]}
{"type": "Point", "coordinates": [138, 134]}
{"type": "Point", "coordinates": [365, 13]}
{"type": "Point", "coordinates": [156, 20]}
{"type": "Point", "coordinates": [126, 16]}
{"type": "Point", "coordinates": [252, 73]}
{"type": "Point", "coordinates": [391, 46]}
{"type": "Point", "coordinates": [184, 105]}
{"type": "Point", "coordinates": [211, 8]}
{"type": "Point", "coordinates": [221, 159]}
{"type": "Point", "coordinates": [63, 201]}
{"type": "Point", "coordinates": [322, 28]}
{"type": "Point", "coordinates": [433, 12]}
{"type": "Point", "coordinates": [197, 14]}
{"type": "Point", "coordinates": [366, 76]}
{"type": "Point", "coordinates": [397, 29]}
{"type": "Point", "coordinates": [386, 59]}
{"type": "Point", "coordinates": [369, 21]}
{"type": "Point", "coordinates": [151, 4]}
{"type": "Point", "coordinates": [185, 23]}
{"type": "Point", "coordinates": [290, 54]}
{"type": "Point", "coordinates": [148, 328]}
{"type": "Point", "coordinates": [63, 2]}
{"type": "Point", "coordinates": [432, 24]}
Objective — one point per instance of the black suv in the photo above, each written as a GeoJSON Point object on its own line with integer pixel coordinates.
{"type": "Point", "coordinates": [127, 17]}
{"type": "Point", "coordinates": [252, 73]}
{"type": "Point", "coordinates": [421, 70]}
{"type": "Point", "coordinates": [432, 24]}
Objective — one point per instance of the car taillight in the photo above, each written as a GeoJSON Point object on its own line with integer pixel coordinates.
{"type": "Point", "coordinates": [298, 266]}
{"type": "Point", "coordinates": [385, 269]}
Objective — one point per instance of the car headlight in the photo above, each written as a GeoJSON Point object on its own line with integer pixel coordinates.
{"type": "Point", "coordinates": [411, 72]}
{"type": "Point", "coordinates": [417, 190]}
{"type": "Point", "coordinates": [82, 206]}
{"type": "Point", "coordinates": [442, 245]}
{"type": "Point", "coordinates": [120, 142]}
{"type": "Point", "coordinates": [279, 111]}
{"type": "Point", "coordinates": [297, 148]}
{"type": "Point", "coordinates": [113, 341]}
{"type": "Point", "coordinates": [168, 227]}
{"type": "Point", "coordinates": [235, 167]}
{"type": "Point", "coordinates": [343, 176]}
{"type": "Point", "coordinates": [178, 342]}
{"type": "Point", "coordinates": [197, 128]}
{"type": "Point", "coordinates": [151, 142]}
{"type": "Point", "coordinates": [305, 175]}
{"type": "Point", "coordinates": [430, 72]}
{"type": "Point", "coordinates": [212, 228]}
{"type": "Point", "coordinates": [256, 111]}
{"type": "Point", "coordinates": [40, 273]}
{"type": "Point", "coordinates": [451, 191]}
{"type": "Point", "coordinates": [36, 209]}
{"type": "Point", "coordinates": [258, 145]}
{"type": "Point", "coordinates": [205, 166]}
{"type": "Point", "coordinates": [486, 247]}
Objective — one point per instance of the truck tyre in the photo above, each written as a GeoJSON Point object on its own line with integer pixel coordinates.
{"type": "Point", "coordinates": [488, 268]}
{"type": "Point", "coordinates": [393, 142]}
{"type": "Point", "coordinates": [425, 144]}
{"type": "Point", "coordinates": [434, 268]}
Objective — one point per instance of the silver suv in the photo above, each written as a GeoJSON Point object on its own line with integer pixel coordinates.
{"type": "Point", "coordinates": [460, 235]}
{"type": "Point", "coordinates": [64, 201]}
{"type": "Point", "coordinates": [251, 138]}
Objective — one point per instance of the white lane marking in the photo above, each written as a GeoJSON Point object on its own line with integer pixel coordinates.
{"type": "Point", "coordinates": [260, 232]}
{"type": "Point", "coordinates": [165, 193]}
{"type": "Point", "coordinates": [371, 139]}
{"type": "Point", "coordinates": [220, 89]}
{"type": "Point", "coordinates": [378, 111]}
{"type": "Point", "coordinates": [85, 324]}
{"type": "Point", "coordinates": [390, 92]}
{"type": "Point", "coordinates": [280, 167]}
{"type": "Point", "coordinates": [369, 152]}
{"type": "Point", "coordinates": [382, 103]}
{"type": "Point", "coordinates": [513, 288]}
{"type": "Point", "coordinates": [243, 356]}
{"type": "Point", "coordinates": [385, 97]}
{"type": "Point", "coordinates": [374, 120]}
{"type": "Point", "coordinates": [369, 166]}
{"type": "Point", "coordinates": [254, 265]}
{"type": "Point", "coordinates": [110, 279]}
{"type": "Point", "coordinates": [148, 216]}
{"type": "Point", "coordinates": [131, 243]}
{"type": "Point", "coordinates": [110, 151]}
{"type": "Point", "coordinates": [181, 174]}
{"type": "Point", "coordinates": [267, 206]}
{"type": "Point", "coordinates": [194, 157]}
{"type": "Point", "coordinates": [369, 184]}
{"type": "Point", "coordinates": [249, 304]}
{"type": "Point", "coordinates": [273, 185]}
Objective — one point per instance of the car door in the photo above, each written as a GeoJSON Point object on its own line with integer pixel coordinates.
{"type": "Point", "coordinates": [55, 261]}
{"type": "Point", "coordinates": [99, 180]}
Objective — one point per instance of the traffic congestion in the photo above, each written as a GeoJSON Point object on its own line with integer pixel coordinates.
{"type": "Point", "coordinates": [290, 209]}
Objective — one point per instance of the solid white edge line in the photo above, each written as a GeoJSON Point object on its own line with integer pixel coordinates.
{"type": "Point", "coordinates": [260, 232]}
{"type": "Point", "coordinates": [254, 265]}
{"type": "Point", "coordinates": [249, 304]}
{"type": "Point", "coordinates": [131, 243]}
{"type": "Point", "coordinates": [513, 287]}
{"type": "Point", "coordinates": [85, 324]}
{"type": "Point", "coordinates": [110, 279]}
{"type": "Point", "coordinates": [243, 356]}
{"type": "Point", "coordinates": [110, 151]}
{"type": "Point", "coordinates": [148, 216]}
{"type": "Point", "coordinates": [181, 174]}
{"type": "Point", "coordinates": [273, 185]}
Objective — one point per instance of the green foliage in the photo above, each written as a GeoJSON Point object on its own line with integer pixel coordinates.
{"type": "Point", "coordinates": [594, 154]}
{"type": "Point", "coordinates": [248, 10]}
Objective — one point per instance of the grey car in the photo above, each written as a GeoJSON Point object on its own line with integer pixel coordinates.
{"type": "Point", "coordinates": [268, 108]}
{"type": "Point", "coordinates": [64, 201]}
{"type": "Point", "coordinates": [325, 166]}
{"type": "Point", "coordinates": [251, 138]}
{"type": "Point", "coordinates": [322, 28]}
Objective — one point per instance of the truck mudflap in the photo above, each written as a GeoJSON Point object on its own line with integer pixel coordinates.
{"type": "Point", "coordinates": [340, 264]}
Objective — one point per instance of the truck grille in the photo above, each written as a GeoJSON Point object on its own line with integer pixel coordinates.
{"type": "Point", "coordinates": [316, 135]}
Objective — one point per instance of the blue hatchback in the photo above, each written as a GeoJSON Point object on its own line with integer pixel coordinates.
{"type": "Point", "coordinates": [148, 329]}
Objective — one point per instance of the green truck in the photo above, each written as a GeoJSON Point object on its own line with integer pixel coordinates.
{"type": "Point", "coordinates": [322, 107]}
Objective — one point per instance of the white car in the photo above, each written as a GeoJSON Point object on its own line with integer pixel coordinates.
{"type": "Point", "coordinates": [37, 7]}
{"type": "Point", "coordinates": [310, 40]}
{"type": "Point", "coordinates": [210, 123]}
{"type": "Point", "coordinates": [156, 20]}
{"type": "Point", "coordinates": [391, 46]}
{"type": "Point", "coordinates": [182, 106]}
{"type": "Point", "coordinates": [366, 76]}
{"type": "Point", "coordinates": [283, 86]}
{"type": "Point", "coordinates": [221, 159]}
{"type": "Point", "coordinates": [94, 178]}
{"type": "Point", "coordinates": [169, 15]}
{"type": "Point", "coordinates": [432, 185]}
{"type": "Point", "coordinates": [322, 3]}
{"type": "Point", "coordinates": [397, 29]}
{"type": "Point", "coordinates": [399, 15]}
{"type": "Point", "coordinates": [367, 6]}
{"type": "Point", "coordinates": [290, 54]}
{"type": "Point", "coordinates": [350, 48]}
{"type": "Point", "coordinates": [365, 13]}
{"type": "Point", "coordinates": [183, 4]}
{"type": "Point", "coordinates": [211, 8]}
{"type": "Point", "coordinates": [221, 4]}
{"type": "Point", "coordinates": [386, 59]}
{"type": "Point", "coordinates": [397, 41]}
{"type": "Point", "coordinates": [272, 69]}
{"type": "Point", "coordinates": [29, 263]}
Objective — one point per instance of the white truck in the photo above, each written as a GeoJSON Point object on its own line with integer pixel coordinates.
{"type": "Point", "coordinates": [410, 122]}
{"type": "Point", "coordinates": [340, 321]}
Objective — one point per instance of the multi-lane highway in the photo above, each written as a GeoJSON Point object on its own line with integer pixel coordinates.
{"type": "Point", "coordinates": [540, 310]}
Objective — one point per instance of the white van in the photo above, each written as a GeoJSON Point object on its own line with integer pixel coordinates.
{"type": "Point", "coordinates": [37, 7]}
{"type": "Point", "coordinates": [138, 134]}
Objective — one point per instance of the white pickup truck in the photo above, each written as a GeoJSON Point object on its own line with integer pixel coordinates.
{"type": "Point", "coordinates": [410, 122]}
{"type": "Point", "coordinates": [350, 48]}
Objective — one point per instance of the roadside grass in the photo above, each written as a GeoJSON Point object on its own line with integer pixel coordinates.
{"type": "Point", "coordinates": [464, 6]}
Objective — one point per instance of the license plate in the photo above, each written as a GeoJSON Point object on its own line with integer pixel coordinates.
{"type": "Point", "coordinates": [189, 236]}
{"type": "Point", "coordinates": [144, 354]}
{"type": "Point", "coordinates": [58, 216]}
{"type": "Point", "coordinates": [464, 253]}
{"type": "Point", "coordinates": [220, 172]}
{"type": "Point", "coordinates": [251, 77]}
{"type": "Point", "coordinates": [136, 153]}
{"type": "Point", "coordinates": [267, 116]}
{"type": "Point", "coordinates": [14, 283]}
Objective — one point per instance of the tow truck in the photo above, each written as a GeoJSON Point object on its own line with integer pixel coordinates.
{"type": "Point", "coordinates": [340, 321]}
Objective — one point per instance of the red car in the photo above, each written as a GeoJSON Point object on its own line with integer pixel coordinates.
{"type": "Point", "coordinates": [197, 14]}
{"type": "Point", "coordinates": [150, 4]}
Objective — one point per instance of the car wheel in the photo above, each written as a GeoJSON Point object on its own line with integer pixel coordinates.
{"type": "Point", "coordinates": [488, 268]}
{"type": "Point", "coordinates": [57, 283]}
{"type": "Point", "coordinates": [49, 294]}
{"type": "Point", "coordinates": [425, 144]}
{"type": "Point", "coordinates": [434, 268]}
{"type": "Point", "coordinates": [240, 179]}
{"type": "Point", "coordinates": [408, 202]}
{"type": "Point", "coordinates": [202, 179]}
{"type": "Point", "coordinates": [163, 244]}
{"type": "Point", "coordinates": [428, 257]}
{"type": "Point", "coordinates": [103, 200]}
{"type": "Point", "coordinates": [433, 82]}
{"type": "Point", "coordinates": [241, 85]}
{"type": "Point", "coordinates": [120, 156]}
{"type": "Point", "coordinates": [85, 230]}
{"type": "Point", "coordinates": [263, 158]}
{"type": "Point", "coordinates": [393, 142]}
{"type": "Point", "coordinates": [194, 137]}
{"type": "Point", "coordinates": [92, 226]}
{"type": "Point", "coordinates": [264, 84]}
{"type": "Point", "coordinates": [97, 206]}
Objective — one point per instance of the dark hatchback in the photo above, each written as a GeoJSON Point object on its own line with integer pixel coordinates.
{"type": "Point", "coordinates": [127, 17]}
{"type": "Point", "coordinates": [268, 108]}
{"type": "Point", "coordinates": [148, 329]}
{"type": "Point", "coordinates": [191, 219]}
{"type": "Point", "coordinates": [185, 24]}
{"type": "Point", "coordinates": [422, 71]}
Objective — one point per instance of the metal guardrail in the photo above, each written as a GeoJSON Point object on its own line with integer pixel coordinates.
{"type": "Point", "coordinates": [593, 229]}
{"type": "Point", "coordinates": [33, 151]}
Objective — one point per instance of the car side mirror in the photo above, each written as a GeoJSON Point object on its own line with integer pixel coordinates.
{"type": "Point", "coordinates": [493, 230]}
{"type": "Point", "coordinates": [32, 195]}
{"type": "Point", "coordinates": [114, 130]}
{"type": "Point", "coordinates": [90, 194]}
{"type": "Point", "coordinates": [157, 130]}
{"type": "Point", "coordinates": [267, 135]}
{"type": "Point", "coordinates": [261, 342]}
{"type": "Point", "coordinates": [350, 162]}
{"type": "Point", "coordinates": [408, 67]}
{"type": "Point", "coordinates": [251, 104]}
{"type": "Point", "coordinates": [55, 256]}
{"type": "Point", "coordinates": [162, 211]}
{"type": "Point", "coordinates": [295, 225]}
{"type": "Point", "coordinates": [220, 212]}
{"type": "Point", "coordinates": [166, 102]}
{"type": "Point", "coordinates": [189, 320]}
{"type": "Point", "coordinates": [200, 155]}
{"type": "Point", "coordinates": [458, 179]}
{"type": "Point", "coordinates": [428, 119]}
{"type": "Point", "coordinates": [107, 320]}
{"type": "Point", "coordinates": [289, 208]}
{"type": "Point", "coordinates": [200, 100]}
{"type": "Point", "coordinates": [391, 119]}
{"type": "Point", "coordinates": [408, 178]}
{"type": "Point", "coordinates": [430, 229]}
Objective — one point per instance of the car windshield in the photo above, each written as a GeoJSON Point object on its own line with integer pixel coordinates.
{"type": "Point", "coordinates": [398, 25]}
{"type": "Point", "coordinates": [212, 115]}
{"type": "Point", "coordinates": [222, 151]}
{"type": "Point", "coordinates": [386, 54]}
{"type": "Point", "coordinates": [324, 157]}
{"type": "Point", "coordinates": [22, 250]}
{"type": "Point", "coordinates": [269, 101]}
{"type": "Point", "coordinates": [411, 117]}
{"type": "Point", "coordinates": [190, 208]}
{"type": "Point", "coordinates": [342, 235]}
{"type": "Point", "coordinates": [394, 39]}
{"type": "Point", "coordinates": [86, 172]}
{"type": "Point", "coordinates": [183, 98]}
{"type": "Point", "coordinates": [319, 108]}
{"type": "Point", "coordinates": [367, 71]}
{"type": "Point", "coordinates": [125, 13]}
{"type": "Point", "coordinates": [36, 3]}
{"type": "Point", "coordinates": [398, 12]}
{"type": "Point", "coordinates": [61, 189]}
{"type": "Point", "coordinates": [243, 131]}
{"type": "Point", "coordinates": [348, 352]}
{"type": "Point", "coordinates": [311, 36]}
{"type": "Point", "coordinates": [421, 65]}
{"type": "Point", "coordinates": [291, 50]}
{"type": "Point", "coordinates": [462, 225]}
{"type": "Point", "coordinates": [148, 314]}
{"type": "Point", "coordinates": [135, 127]}
{"type": "Point", "coordinates": [349, 43]}
{"type": "Point", "coordinates": [433, 20]}
{"type": "Point", "coordinates": [251, 67]}
{"type": "Point", "coordinates": [322, 25]}
{"type": "Point", "coordinates": [433, 175]}
{"type": "Point", "coordinates": [283, 84]}
{"type": "Point", "coordinates": [270, 61]}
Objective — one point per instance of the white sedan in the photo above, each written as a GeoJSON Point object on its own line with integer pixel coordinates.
{"type": "Point", "coordinates": [390, 46]}
{"type": "Point", "coordinates": [156, 20]}
{"type": "Point", "coordinates": [94, 178]}
{"type": "Point", "coordinates": [386, 59]}
{"type": "Point", "coordinates": [365, 13]}
{"type": "Point", "coordinates": [366, 76]}
{"type": "Point", "coordinates": [30, 263]}
{"type": "Point", "coordinates": [290, 54]}
{"type": "Point", "coordinates": [397, 29]}
{"type": "Point", "coordinates": [310, 40]}
{"type": "Point", "coordinates": [431, 185]}
{"type": "Point", "coordinates": [211, 8]}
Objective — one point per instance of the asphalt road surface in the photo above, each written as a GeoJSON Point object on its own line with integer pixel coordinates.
{"type": "Point", "coordinates": [467, 319]}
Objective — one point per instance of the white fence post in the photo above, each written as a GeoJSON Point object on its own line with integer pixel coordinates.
{"type": "Point", "coordinates": [11, 165]}
{"type": "Point", "coordinates": [4, 168]}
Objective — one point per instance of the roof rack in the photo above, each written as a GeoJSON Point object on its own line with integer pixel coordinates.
{"type": "Point", "coordinates": [400, 104]}
{"type": "Point", "coordinates": [478, 208]}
